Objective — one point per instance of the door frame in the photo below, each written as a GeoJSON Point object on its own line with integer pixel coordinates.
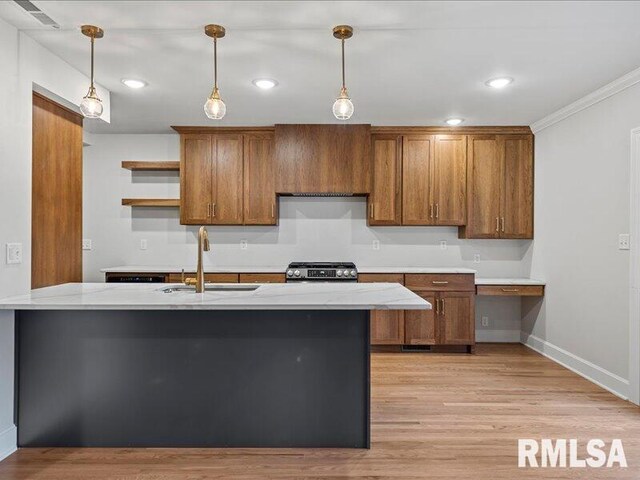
{"type": "Point", "coordinates": [634, 271]}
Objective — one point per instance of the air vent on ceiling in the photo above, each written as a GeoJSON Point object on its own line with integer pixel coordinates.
{"type": "Point", "coordinates": [36, 13]}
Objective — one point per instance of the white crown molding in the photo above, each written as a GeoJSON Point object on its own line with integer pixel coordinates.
{"type": "Point", "coordinates": [602, 93]}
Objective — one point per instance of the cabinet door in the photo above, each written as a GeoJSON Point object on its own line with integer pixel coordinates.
{"type": "Point", "coordinates": [449, 179]}
{"type": "Point", "coordinates": [417, 159]}
{"type": "Point", "coordinates": [483, 187]}
{"type": "Point", "coordinates": [227, 180]}
{"type": "Point", "coordinates": [195, 179]}
{"type": "Point", "coordinates": [420, 325]}
{"type": "Point", "coordinates": [262, 278]}
{"type": "Point", "coordinates": [456, 321]}
{"type": "Point", "coordinates": [259, 180]}
{"type": "Point", "coordinates": [387, 326]}
{"type": "Point", "coordinates": [384, 203]}
{"type": "Point", "coordinates": [517, 187]}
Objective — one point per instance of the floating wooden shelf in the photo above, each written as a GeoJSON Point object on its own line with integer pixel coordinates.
{"type": "Point", "coordinates": [151, 202]}
{"type": "Point", "coordinates": [139, 165]}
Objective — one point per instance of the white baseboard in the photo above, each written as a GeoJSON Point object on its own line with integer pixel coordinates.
{"type": "Point", "coordinates": [497, 336]}
{"type": "Point", "coordinates": [8, 442]}
{"type": "Point", "coordinates": [592, 372]}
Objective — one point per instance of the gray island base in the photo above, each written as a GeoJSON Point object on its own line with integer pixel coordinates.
{"type": "Point", "coordinates": [131, 365]}
{"type": "Point", "coordinates": [218, 378]}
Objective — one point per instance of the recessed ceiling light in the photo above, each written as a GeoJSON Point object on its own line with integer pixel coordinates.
{"type": "Point", "coordinates": [499, 82]}
{"type": "Point", "coordinates": [454, 121]}
{"type": "Point", "coordinates": [132, 83]}
{"type": "Point", "coordinates": [265, 83]}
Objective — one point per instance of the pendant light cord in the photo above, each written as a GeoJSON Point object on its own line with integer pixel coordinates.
{"type": "Point", "coordinates": [92, 42]}
{"type": "Point", "coordinates": [215, 63]}
{"type": "Point", "coordinates": [343, 82]}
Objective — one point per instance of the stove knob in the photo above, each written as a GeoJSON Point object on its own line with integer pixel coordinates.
{"type": "Point", "coordinates": [297, 273]}
{"type": "Point", "coordinates": [353, 273]}
{"type": "Point", "coordinates": [339, 273]}
{"type": "Point", "coordinates": [289, 273]}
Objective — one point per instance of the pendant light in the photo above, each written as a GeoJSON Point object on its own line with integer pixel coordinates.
{"type": "Point", "coordinates": [91, 105]}
{"type": "Point", "coordinates": [343, 107]}
{"type": "Point", "coordinates": [214, 107]}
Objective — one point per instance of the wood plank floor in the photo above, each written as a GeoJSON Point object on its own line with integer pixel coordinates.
{"type": "Point", "coordinates": [434, 416]}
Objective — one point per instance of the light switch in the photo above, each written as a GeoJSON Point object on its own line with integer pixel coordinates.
{"type": "Point", "coordinates": [376, 245]}
{"type": "Point", "coordinates": [623, 241]}
{"type": "Point", "coordinates": [143, 244]}
{"type": "Point", "coordinates": [86, 244]}
{"type": "Point", "coordinates": [14, 253]}
{"type": "Point", "coordinates": [476, 258]}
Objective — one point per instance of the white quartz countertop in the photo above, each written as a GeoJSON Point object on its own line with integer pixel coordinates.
{"type": "Point", "coordinates": [509, 281]}
{"type": "Point", "coordinates": [283, 296]}
{"type": "Point", "coordinates": [273, 269]}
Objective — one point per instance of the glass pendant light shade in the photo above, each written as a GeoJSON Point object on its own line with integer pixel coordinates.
{"type": "Point", "coordinates": [91, 105]}
{"type": "Point", "coordinates": [343, 106]}
{"type": "Point", "coordinates": [214, 107]}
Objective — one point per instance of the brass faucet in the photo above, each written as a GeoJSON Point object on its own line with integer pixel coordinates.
{"type": "Point", "coordinates": [203, 246]}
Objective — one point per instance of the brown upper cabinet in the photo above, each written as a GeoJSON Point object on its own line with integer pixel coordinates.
{"type": "Point", "coordinates": [499, 187]}
{"type": "Point", "coordinates": [227, 179]}
{"type": "Point", "coordinates": [323, 159]}
{"type": "Point", "coordinates": [427, 172]}
{"type": "Point", "coordinates": [260, 204]}
{"type": "Point", "coordinates": [385, 201]}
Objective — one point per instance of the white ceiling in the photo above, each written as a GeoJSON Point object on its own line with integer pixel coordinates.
{"type": "Point", "coordinates": [408, 63]}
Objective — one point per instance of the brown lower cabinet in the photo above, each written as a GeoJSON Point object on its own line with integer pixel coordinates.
{"type": "Point", "coordinates": [451, 321]}
{"type": "Point", "coordinates": [208, 277]}
{"type": "Point", "coordinates": [262, 278]}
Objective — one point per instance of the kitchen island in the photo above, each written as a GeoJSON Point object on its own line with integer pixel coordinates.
{"type": "Point", "coordinates": [131, 365]}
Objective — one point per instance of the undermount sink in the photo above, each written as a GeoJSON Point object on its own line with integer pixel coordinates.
{"type": "Point", "coordinates": [211, 288]}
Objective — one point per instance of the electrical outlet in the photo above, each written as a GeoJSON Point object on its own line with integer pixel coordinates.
{"type": "Point", "coordinates": [243, 244]}
{"type": "Point", "coordinates": [143, 244]}
{"type": "Point", "coordinates": [86, 244]}
{"type": "Point", "coordinates": [485, 321]}
{"type": "Point", "coordinates": [376, 244]}
{"type": "Point", "coordinates": [623, 241]}
{"type": "Point", "coordinates": [443, 244]}
{"type": "Point", "coordinates": [14, 253]}
{"type": "Point", "coordinates": [476, 258]}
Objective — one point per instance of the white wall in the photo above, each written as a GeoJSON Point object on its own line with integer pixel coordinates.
{"type": "Point", "coordinates": [25, 66]}
{"type": "Point", "coordinates": [582, 204]}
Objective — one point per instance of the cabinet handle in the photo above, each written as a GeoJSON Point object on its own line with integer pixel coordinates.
{"type": "Point", "coordinates": [371, 210]}
{"type": "Point", "coordinates": [437, 309]}
{"type": "Point", "coordinates": [442, 309]}
{"type": "Point", "coordinates": [502, 219]}
{"type": "Point", "coordinates": [497, 224]}
{"type": "Point", "coordinates": [273, 210]}
{"type": "Point", "coordinates": [431, 210]}
{"type": "Point", "coordinates": [510, 290]}
{"type": "Point", "coordinates": [437, 210]}
{"type": "Point", "coordinates": [213, 210]}
{"type": "Point", "coordinates": [209, 210]}
{"type": "Point", "coordinates": [439, 282]}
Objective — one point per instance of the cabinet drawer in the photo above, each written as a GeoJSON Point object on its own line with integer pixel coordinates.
{"type": "Point", "coordinates": [453, 282]}
{"type": "Point", "coordinates": [262, 278]}
{"type": "Point", "coordinates": [381, 277]}
{"type": "Point", "coordinates": [511, 290]}
{"type": "Point", "coordinates": [208, 277]}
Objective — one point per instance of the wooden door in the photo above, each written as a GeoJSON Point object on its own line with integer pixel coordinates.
{"type": "Point", "coordinates": [259, 180]}
{"type": "Point", "coordinates": [517, 188]}
{"type": "Point", "coordinates": [195, 179]}
{"type": "Point", "coordinates": [417, 159]}
{"type": "Point", "coordinates": [456, 321]}
{"type": "Point", "coordinates": [56, 208]}
{"type": "Point", "coordinates": [227, 180]}
{"type": "Point", "coordinates": [420, 325]}
{"type": "Point", "coordinates": [449, 179]}
{"type": "Point", "coordinates": [483, 187]}
{"type": "Point", "coordinates": [385, 201]}
{"type": "Point", "coordinates": [387, 326]}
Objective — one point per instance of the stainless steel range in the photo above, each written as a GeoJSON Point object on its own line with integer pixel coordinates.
{"type": "Point", "coordinates": [322, 272]}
